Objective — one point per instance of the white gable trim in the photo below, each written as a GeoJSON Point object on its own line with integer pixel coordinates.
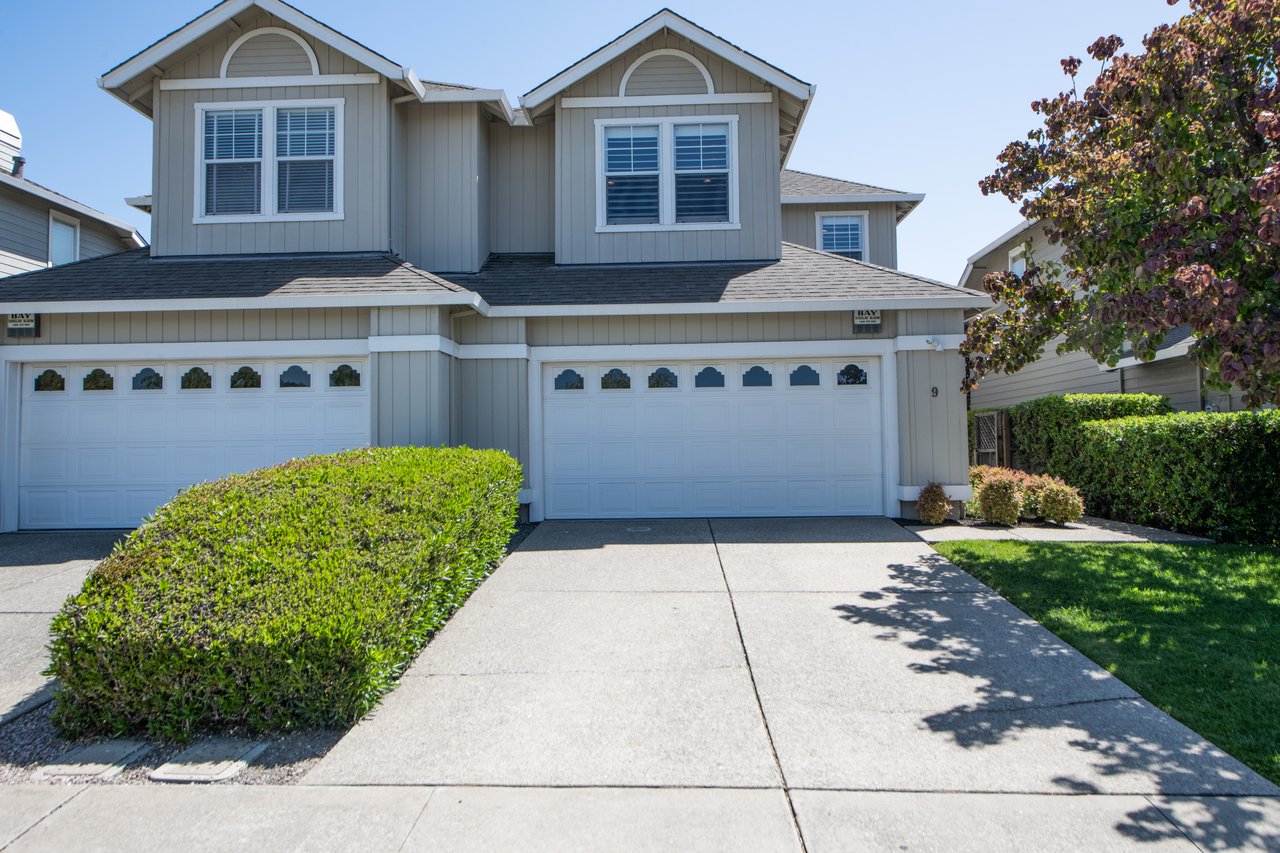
{"type": "Point", "coordinates": [263, 31]}
{"type": "Point", "coordinates": [220, 14]}
{"type": "Point", "coordinates": [668, 51]}
{"type": "Point", "coordinates": [665, 19]}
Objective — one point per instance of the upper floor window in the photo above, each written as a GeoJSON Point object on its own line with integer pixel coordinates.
{"type": "Point", "coordinates": [843, 234]}
{"type": "Point", "coordinates": [1018, 261]}
{"type": "Point", "coordinates": [667, 174]}
{"type": "Point", "coordinates": [270, 161]}
{"type": "Point", "coordinates": [64, 238]}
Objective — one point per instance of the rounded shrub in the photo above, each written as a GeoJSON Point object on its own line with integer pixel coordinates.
{"type": "Point", "coordinates": [933, 506]}
{"type": "Point", "coordinates": [1057, 502]}
{"type": "Point", "coordinates": [1000, 499]}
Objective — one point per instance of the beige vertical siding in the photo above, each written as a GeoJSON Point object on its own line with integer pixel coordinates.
{"type": "Point", "coordinates": [1173, 377]}
{"type": "Point", "coordinates": [444, 159]}
{"type": "Point", "coordinates": [1071, 373]}
{"type": "Point", "coordinates": [700, 328]}
{"type": "Point", "coordinates": [365, 171]}
{"type": "Point", "coordinates": [200, 326]}
{"type": "Point", "coordinates": [411, 398]}
{"type": "Point", "coordinates": [267, 55]}
{"type": "Point", "coordinates": [522, 187]}
{"type": "Point", "coordinates": [800, 225]}
{"type": "Point", "coordinates": [932, 437]}
{"type": "Point", "coordinates": [474, 329]}
{"type": "Point", "coordinates": [416, 320]}
{"type": "Point", "coordinates": [491, 405]}
{"type": "Point", "coordinates": [24, 233]}
{"type": "Point", "coordinates": [666, 75]}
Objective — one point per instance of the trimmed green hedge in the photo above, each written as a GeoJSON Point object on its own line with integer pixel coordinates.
{"type": "Point", "coordinates": [1046, 431]}
{"type": "Point", "coordinates": [1200, 472]}
{"type": "Point", "coordinates": [286, 597]}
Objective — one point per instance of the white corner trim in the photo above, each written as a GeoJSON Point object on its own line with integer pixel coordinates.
{"type": "Point", "coordinates": [853, 198]}
{"type": "Point", "coordinates": [668, 51]}
{"type": "Point", "coordinates": [33, 353]}
{"type": "Point", "coordinates": [270, 82]}
{"type": "Point", "coordinates": [955, 493]}
{"type": "Point", "coordinates": [263, 31]}
{"type": "Point", "coordinates": [667, 100]}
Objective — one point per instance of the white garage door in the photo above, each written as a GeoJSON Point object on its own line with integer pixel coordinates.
{"type": "Point", "coordinates": [102, 445]}
{"type": "Point", "coordinates": [727, 438]}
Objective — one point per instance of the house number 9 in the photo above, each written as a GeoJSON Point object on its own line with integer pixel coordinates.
{"type": "Point", "coordinates": [934, 392]}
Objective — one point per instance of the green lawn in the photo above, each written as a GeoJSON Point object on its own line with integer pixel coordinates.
{"type": "Point", "coordinates": [1194, 628]}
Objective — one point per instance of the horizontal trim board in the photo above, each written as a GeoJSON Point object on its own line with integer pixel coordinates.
{"type": "Point", "coordinates": [221, 303]}
{"type": "Point", "coordinates": [667, 100]}
{"type": "Point", "coordinates": [439, 343]}
{"type": "Point", "coordinates": [269, 82]}
{"type": "Point", "coordinates": [955, 493]}
{"type": "Point", "coordinates": [32, 353]}
{"type": "Point", "coordinates": [852, 198]}
{"type": "Point", "coordinates": [978, 300]}
{"type": "Point", "coordinates": [780, 349]}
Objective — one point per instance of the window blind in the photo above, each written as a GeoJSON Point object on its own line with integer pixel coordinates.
{"type": "Point", "coordinates": [631, 174]}
{"type": "Point", "coordinates": [62, 242]}
{"type": "Point", "coordinates": [702, 172]}
{"type": "Point", "coordinates": [842, 235]}
{"type": "Point", "coordinates": [304, 159]}
{"type": "Point", "coordinates": [233, 162]}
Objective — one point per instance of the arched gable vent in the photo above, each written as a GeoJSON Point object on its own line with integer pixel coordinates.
{"type": "Point", "coordinates": [270, 52]}
{"type": "Point", "coordinates": [666, 72]}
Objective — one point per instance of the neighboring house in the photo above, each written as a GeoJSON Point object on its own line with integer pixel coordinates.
{"type": "Point", "coordinates": [616, 282]}
{"type": "Point", "coordinates": [1170, 373]}
{"type": "Point", "coordinates": [40, 228]}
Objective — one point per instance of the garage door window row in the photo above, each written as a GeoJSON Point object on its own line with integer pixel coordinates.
{"type": "Point", "coordinates": [193, 378]}
{"type": "Point", "coordinates": [663, 378]}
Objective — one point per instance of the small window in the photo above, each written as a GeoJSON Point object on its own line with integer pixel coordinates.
{"type": "Point", "coordinates": [196, 379]}
{"type": "Point", "coordinates": [615, 380]}
{"type": "Point", "coordinates": [570, 380]}
{"type": "Point", "coordinates": [663, 378]}
{"type": "Point", "coordinates": [804, 376]}
{"type": "Point", "coordinates": [295, 377]}
{"type": "Point", "coordinates": [64, 239]}
{"type": "Point", "coordinates": [851, 374]}
{"type": "Point", "coordinates": [246, 377]}
{"type": "Point", "coordinates": [148, 379]}
{"type": "Point", "coordinates": [344, 376]}
{"type": "Point", "coordinates": [98, 380]}
{"type": "Point", "coordinates": [757, 377]}
{"type": "Point", "coordinates": [50, 380]}
{"type": "Point", "coordinates": [708, 377]}
{"type": "Point", "coordinates": [631, 163]}
{"type": "Point", "coordinates": [1018, 261]}
{"type": "Point", "coordinates": [843, 234]}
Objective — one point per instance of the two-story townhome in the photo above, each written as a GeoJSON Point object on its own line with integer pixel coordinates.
{"type": "Point", "coordinates": [616, 281]}
{"type": "Point", "coordinates": [1170, 373]}
{"type": "Point", "coordinates": [40, 228]}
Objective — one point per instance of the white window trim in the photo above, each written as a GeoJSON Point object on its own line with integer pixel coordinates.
{"type": "Point", "coordinates": [861, 214]}
{"type": "Point", "coordinates": [666, 175]}
{"type": "Point", "coordinates": [1015, 254]}
{"type": "Point", "coordinates": [269, 197]}
{"type": "Point", "coordinates": [668, 51]}
{"type": "Point", "coordinates": [55, 216]}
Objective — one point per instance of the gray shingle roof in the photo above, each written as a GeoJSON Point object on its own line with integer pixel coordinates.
{"type": "Point", "coordinates": [801, 274]}
{"type": "Point", "coordinates": [136, 275]}
{"type": "Point", "coordinates": [806, 183]}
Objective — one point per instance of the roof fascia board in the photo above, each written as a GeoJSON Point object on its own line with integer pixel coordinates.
{"type": "Point", "coordinates": [493, 97]}
{"type": "Point", "coordinates": [1181, 348]}
{"type": "Point", "coordinates": [124, 229]}
{"type": "Point", "coordinates": [664, 20]}
{"type": "Point", "coordinates": [329, 300]}
{"type": "Point", "coordinates": [753, 306]}
{"type": "Point", "coordinates": [853, 198]}
{"type": "Point", "coordinates": [804, 113]}
{"type": "Point", "coordinates": [173, 42]}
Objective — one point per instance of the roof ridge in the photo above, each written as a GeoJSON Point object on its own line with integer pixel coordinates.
{"type": "Point", "coordinates": [870, 265]}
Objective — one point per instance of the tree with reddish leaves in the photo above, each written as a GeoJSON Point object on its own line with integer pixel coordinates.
{"type": "Point", "coordinates": [1161, 181]}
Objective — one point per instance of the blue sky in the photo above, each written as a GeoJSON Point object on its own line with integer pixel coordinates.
{"type": "Point", "coordinates": [918, 95]}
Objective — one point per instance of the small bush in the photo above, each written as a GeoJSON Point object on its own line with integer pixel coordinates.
{"type": "Point", "coordinates": [1200, 472]}
{"type": "Point", "coordinates": [933, 506]}
{"type": "Point", "coordinates": [1058, 503]}
{"type": "Point", "coordinates": [1046, 431]}
{"type": "Point", "coordinates": [1000, 499]}
{"type": "Point", "coordinates": [285, 597]}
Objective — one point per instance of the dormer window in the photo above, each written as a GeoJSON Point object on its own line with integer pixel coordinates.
{"type": "Point", "coordinates": [269, 161]}
{"type": "Point", "coordinates": [843, 233]}
{"type": "Point", "coordinates": [667, 174]}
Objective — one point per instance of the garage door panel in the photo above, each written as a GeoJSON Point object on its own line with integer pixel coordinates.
{"type": "Point", "coordinates": [713, 450]}
{"type": "Point", "coordinates": [109, 458]}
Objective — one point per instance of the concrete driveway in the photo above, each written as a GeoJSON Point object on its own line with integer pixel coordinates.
{"type": "Point", "coordinates": [748, 684]}
{"type": "Point", "coordinates": [37, 573]}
